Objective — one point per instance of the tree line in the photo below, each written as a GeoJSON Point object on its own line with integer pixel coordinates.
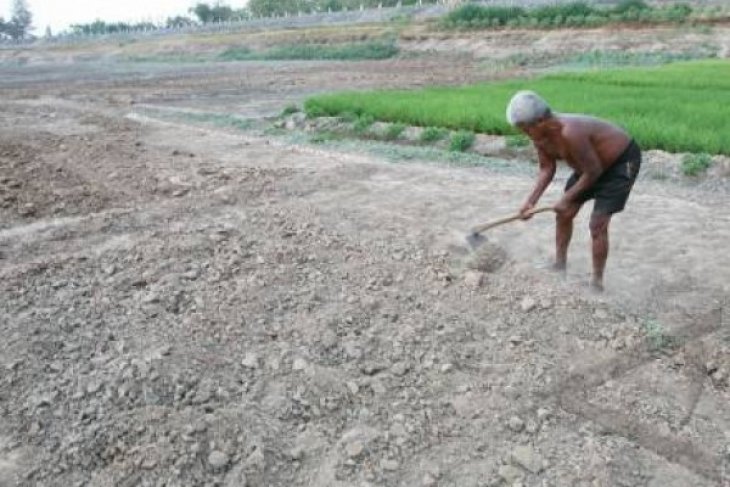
{"type": "Point", "coordinates": [20, 24]}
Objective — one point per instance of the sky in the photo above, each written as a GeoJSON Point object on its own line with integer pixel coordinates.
{"type": "Point", "coordinates": [60, 14]}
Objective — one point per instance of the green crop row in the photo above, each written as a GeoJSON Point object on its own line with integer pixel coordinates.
{"type": "Point", "coordinates": [575, 14]}
{"type": "Point", "coordinates": [310, 51]}
{"type": "Point", "coordinates": [682, 107]}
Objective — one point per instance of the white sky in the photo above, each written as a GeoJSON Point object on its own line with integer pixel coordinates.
{"type": "Point", "coordinates": [60, 14]}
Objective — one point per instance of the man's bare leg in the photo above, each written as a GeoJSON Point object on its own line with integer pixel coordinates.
{"type": "Point", "coordinates": [563, 234]}
{"type": "Point", "coordinates": [599, 235]}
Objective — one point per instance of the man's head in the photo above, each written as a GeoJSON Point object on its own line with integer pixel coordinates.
{"type": "Point", "coordinates": [526, 110]}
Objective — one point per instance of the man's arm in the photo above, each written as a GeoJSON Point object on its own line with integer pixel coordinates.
{"type": "Point", "coordinates": [546, 173]}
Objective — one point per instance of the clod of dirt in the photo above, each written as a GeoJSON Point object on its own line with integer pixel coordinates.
{"type": "Point", "coordinates": [489, 257]}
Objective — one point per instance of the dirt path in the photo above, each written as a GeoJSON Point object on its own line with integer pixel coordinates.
{"type": "Point", "coordinates": [185, 305]}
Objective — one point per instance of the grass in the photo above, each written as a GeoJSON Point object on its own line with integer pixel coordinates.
{"type": "Point", "coordinates": [694, 164]}
{"type": "Point", "coordinates": [363, 123]}
{"type": "Point", "coordinates": [680, 107]}
{"type": "Point", "coordinates": [394, 131]}
{"type": "Point", "coordinates": [289, 109]}
{"type": "Point", "coordinates": [433, 134]}
{"type": "Point", "coordinates": [220, 120]}
{"type": "Point", "coordinates": [517, 141]}
{"type": "Point", "coordinates": [352, 51]}
{"type": "Point", "coordinates": [657, 339]}
{"type": "Point", "coordinates": [461, 141]}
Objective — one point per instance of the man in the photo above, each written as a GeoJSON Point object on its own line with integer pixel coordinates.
{"type": "Point", "coordinates": [605, 162]}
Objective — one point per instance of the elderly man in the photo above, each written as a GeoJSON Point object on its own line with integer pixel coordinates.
{"type": "Point", "coordinates": [605, 162]}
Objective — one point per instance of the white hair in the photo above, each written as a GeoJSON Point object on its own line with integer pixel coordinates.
{"type": "Point", "coordinates": [526, 107]}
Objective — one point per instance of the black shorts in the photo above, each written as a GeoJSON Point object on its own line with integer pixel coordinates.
{"type": "Point", "coordinates": [611, 190]}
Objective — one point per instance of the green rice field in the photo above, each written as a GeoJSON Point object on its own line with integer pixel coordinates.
{"type": "Point", "coordinates": [680, 107]}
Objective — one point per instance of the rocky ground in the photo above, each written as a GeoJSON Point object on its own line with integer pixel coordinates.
{"type": "Point", "coordinates": [185, 304]}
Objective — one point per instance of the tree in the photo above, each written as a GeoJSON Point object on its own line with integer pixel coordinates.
{"type": "Point", "coordinates": [215, 13]}
{"type": "Point", "coordinates": [179, 21]}
{"type": "Point", "coordinates": [20, 24]}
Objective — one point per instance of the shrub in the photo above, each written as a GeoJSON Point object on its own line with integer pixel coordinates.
{"type": "Point", "coordinates": [470, 13]}
{"type": "Point", "coordinates": [694, 164]}
{"type": "Point", "coordinates": [629, 5]}
{"type": "Point", "coordinates": [394, 130]}
{"type": "Point", "coordinates": [349, 117]}
{"type": "Point", "coordinates": [363, 123]}
{"type": "Point", "coordinates": [553, 12]}
{"type": "Point", "coordinates": [461, 141]}
{"type": "Point", "coordinates": [314, 110]}
{"type": "Point", "coordinates": [240, 53]}
{"type": "Point", "coordinates": [432, 134]}
{"type": "Point", "coordinates": [289, 109]}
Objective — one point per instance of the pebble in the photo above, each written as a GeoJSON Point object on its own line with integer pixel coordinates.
{"type": "Point", "coordinates": [429, 480]}
{"type": "Point", "coordinates": [543, 414]}
{"type": "Point", "coordinates": [528, 304]}
{"type": "Point", "coordinates": [218, 459]}
{"type": "Point", "coordinates": [390, 465]}
{"type": "Point", "coordinates": [251, 361]}
{"type": "Point", "coordinates": [510, 474]}
{"type": "Point", "coordinates": [600, 314]}
{"type": "Point", "coordinates": [353, 387]}
{"type": "Point", "coordinates": [526, 457]}
{"type": "Point", "coordinates": [515, 424]}
{"type": "Point", "coordinates": [354, 448]}
{"type": "Point", "coordinates": [474, 279]}
{"type": "Point", "coordinates": [299, 364]}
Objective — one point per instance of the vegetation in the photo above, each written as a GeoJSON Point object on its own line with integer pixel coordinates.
{"type": "Point", "coordinates": [269, 8]}
{"type": "Point", "coordinates": [694, 164]}
{"type": "Point", "coordinates": [461, 141]}
{"type": "Point", "coordinates": [363, 123]}
{"type": "Point", "coordinates": [516, 141]}
{"type": "Point", "coordinates": [394, 131]}
{"type": "Point", "coordinates": [289, 109]}
{"type": "Point", "coordinates": [575, 14]}
{"type": "Point", "coordinates": [657, 340]}
{"type": "Point", "coordinates": [681, 107]}
{"type": "Point", "coordinates": [20, 24]}
{"type": "Point", "coordinates": [433, 134]}
{"type": "Point", "coordinates": [348, 52]}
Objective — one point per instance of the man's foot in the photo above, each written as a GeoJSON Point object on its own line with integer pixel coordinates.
{"type": "Point", "coordinates": [559, 267]}
{"type": "Point", "coordinates": [596, 286]}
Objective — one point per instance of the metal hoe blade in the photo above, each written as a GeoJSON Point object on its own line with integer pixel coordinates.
{"type": "Point", "coordinates": [475, 240]}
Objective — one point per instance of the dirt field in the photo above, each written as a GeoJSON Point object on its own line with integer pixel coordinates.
{"type": "Point", "coordinates": [184, 305]}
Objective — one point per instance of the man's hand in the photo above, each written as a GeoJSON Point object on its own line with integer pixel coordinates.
{"type": "Point", "coordinates": [525, 209]}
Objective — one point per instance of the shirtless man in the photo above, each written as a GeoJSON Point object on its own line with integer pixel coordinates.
{"type": "Point", "coordinates": [605, 162]}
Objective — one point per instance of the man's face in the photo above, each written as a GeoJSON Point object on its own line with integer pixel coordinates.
{"type": "Point", "coordinates": [534, 130]}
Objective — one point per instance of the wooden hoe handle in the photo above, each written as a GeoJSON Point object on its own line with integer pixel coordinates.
{"type": "Point", "coordinates": [495, 223]}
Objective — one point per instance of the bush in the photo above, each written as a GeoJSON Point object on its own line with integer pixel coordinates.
{"type": "Point", "coordinates": [289, 109]}
{"type": "Point", "coordinates": [240, 53]}
{"type": "Point", "coordinates": [694, 164]}
{"type": "Point", "coordinates": [554, 12]}
{"type": "Point", "coordinates": [314, 110]}
{"type": "Point", "coordinates": [349, 117]}
{"type": "Point", "coordinates": [516, 141]}
{"type": "Point", "coordinates": [394, 130]}
{"type": "Point", "coordinates": [350, 51]}
{"type": "Point", "coordinates": [471, 14]}
{"type": "Point", "coordinates": [630, 5]}
{"type": "Point", "coordinates": [432, 134]}
{"type": "Point", "coordinates": [461, 141]}
{"type": "Point", "coordinates": [363, 123]}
